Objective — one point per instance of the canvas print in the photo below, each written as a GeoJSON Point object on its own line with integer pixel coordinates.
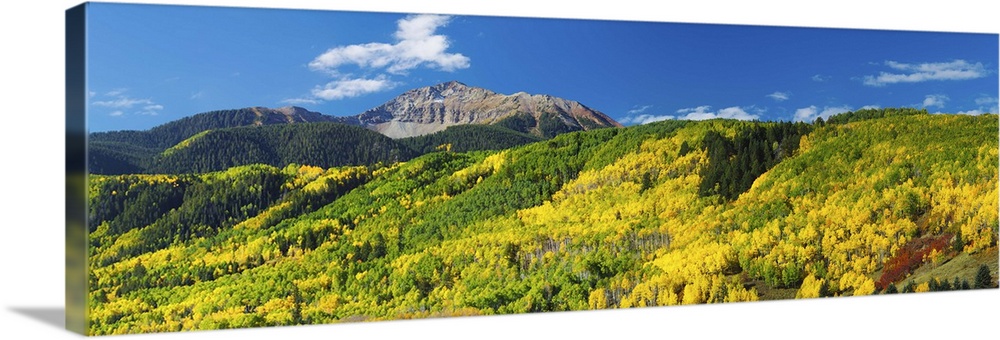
{"type": "Point", "coordinates": [265, 167]}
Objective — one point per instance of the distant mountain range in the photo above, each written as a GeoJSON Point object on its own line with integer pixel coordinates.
{"type": "Point", "coordinates": [411, 124]}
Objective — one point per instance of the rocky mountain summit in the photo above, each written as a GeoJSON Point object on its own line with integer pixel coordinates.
{"type": "Point", "coordinates": [431, 109]}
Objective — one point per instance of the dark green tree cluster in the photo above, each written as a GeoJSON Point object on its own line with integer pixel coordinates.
{"type": "Point", "coordinates": [535, 172]}
{"type": "Point", "coordinates": [551, 124]}
{"type": "Point", "coordinates": [546, 125]}
{"type": "Point", "coordinates": [865, 114]}
{"type": "Point", "coordinates": [164, 212]}
{"type": "Point", "coordinates": [520, 123]}
{"type": "Point", "coordinates": [222, 202]}
{"type": "Point", "coordinates": [129, 201]}
{"type": "Point", "coordinates": [130, 151]}
{"type": "Point", "coordinates": [984, 279]}
{"type": "Point", "coordinates": [107, 157]}
{"type": "Point", "coordinates": [166, 135]}
{"type": "Point", "coordinates": [624, 141]}
{"type": "Point", "coordinates": [463, 138]}
{"type": "Point", "coordinates": [319, 144]}
{"type": "Point", "coordinates": [735, 163]}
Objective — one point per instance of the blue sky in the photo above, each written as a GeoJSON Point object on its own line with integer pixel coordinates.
{"type": "Point", "coordinates": [148, 65]}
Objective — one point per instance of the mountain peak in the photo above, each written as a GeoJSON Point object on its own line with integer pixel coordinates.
{"type": "Point", "coordinates": [433, 108]}
{"type": "Point", "coordinates": [450, 84]}
{"type": "Point", "coordinates": [287, 114]}
{"type": "Point", "coordinates": [292, 110]}
{"type": "Point", "coordinates": [443, 89]}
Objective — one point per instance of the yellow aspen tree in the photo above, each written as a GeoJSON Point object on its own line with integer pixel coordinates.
{"type": "Point", "coordinates": [598, 299]}
{"type": "Point", "coordinates": [812, 287]}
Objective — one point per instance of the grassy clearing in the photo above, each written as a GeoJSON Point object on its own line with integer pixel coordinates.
{"type": "Point", "coordinates": [963, 266]}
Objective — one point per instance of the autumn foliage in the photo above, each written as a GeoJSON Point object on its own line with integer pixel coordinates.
{"type": "Point", "coordinates": [910, 257]}
{"type": "Point", "coordinates": [650, 215]}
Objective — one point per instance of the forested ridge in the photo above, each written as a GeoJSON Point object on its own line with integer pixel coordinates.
{"type": "Point", "coordinates": [321, 144]}
{"type": "Point", "coordinates": [469, 137]}
{"type": "Point", "coordinates": [674, 212]}
{"type": "Point", "coordinates": [218, 140]}
{"type": "Point", "coordinates": [131, 151]}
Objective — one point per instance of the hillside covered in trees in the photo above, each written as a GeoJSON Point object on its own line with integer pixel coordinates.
{"type": "Point", "coordinates": [117, 152]}
{"type": "Point", "coordinates": [469, 137]}
{"type": "Point", "coordinates": [218, 140]}
{"type": "Point", "coordinates": [324, 144]}
{"type": "Point", "coordinates": [674, 212]}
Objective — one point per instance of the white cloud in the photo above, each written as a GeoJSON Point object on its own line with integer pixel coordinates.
{"type": "Point", "coordinates": [122, 102]}
{"type": "Point", "coordinates": [116, 92]}
{"type": "Point", "coordinates": [347, 88]}
{"type": "Point", "coordinates": [870, 107]}
{"type": "Point", "coordinates": [151, 110]}
{"type": "Point", "coordinates": [646, 119]}
{"type": "Point", "coordinates": [986, 104]}
{"type": "Point", "coordinates": [416, 45]}
{"type": "Point", "coordinates": [779, 96]}
{"type": "Point", "coordinates": [820, 78]}
{"type": "Point", "coordinates": [637, 116]}
{"type": "Point", "coordinates": [806, 114]}
{"type": "Point", "coordinates": [972, 112]}
{"type": "Point", "coordinates": [638, 109]}
{"type": "Point", "coordinates": [198, 95]}
{"type": "Point", "coordinates": [703, 112]}
{"type": "Point", "coordinates": [300, 101]}
{"type": "Point", "coordinates": [913, 73]}
{"type": "Point", "coordinates": [936, 100]}
{"type": "Point", "coordinates": [986, 100]}
{"type": "Point", "coordinates": [697, 113]}
{"type": "Point", "coordinates": [809, 114]}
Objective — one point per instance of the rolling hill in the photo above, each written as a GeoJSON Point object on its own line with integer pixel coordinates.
{"type": "Point", "coordinates": [119, 152]}
{"type": "Point", "coordinates": [674, 212]}
{"type": "Point", "coordinates": [318, 144]}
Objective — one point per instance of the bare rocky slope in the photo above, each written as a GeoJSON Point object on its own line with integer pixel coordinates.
{"type": "Point", "coordinates": [431, 109]}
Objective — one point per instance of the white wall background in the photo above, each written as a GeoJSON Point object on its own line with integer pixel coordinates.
{"type": "Point", "coordinates": [31, 187]}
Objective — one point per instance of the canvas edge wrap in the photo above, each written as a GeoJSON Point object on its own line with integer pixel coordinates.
{"type": "Point", "coordinates": [77, 211]}
{"type": "Point", "coordinates": [76, 171]}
